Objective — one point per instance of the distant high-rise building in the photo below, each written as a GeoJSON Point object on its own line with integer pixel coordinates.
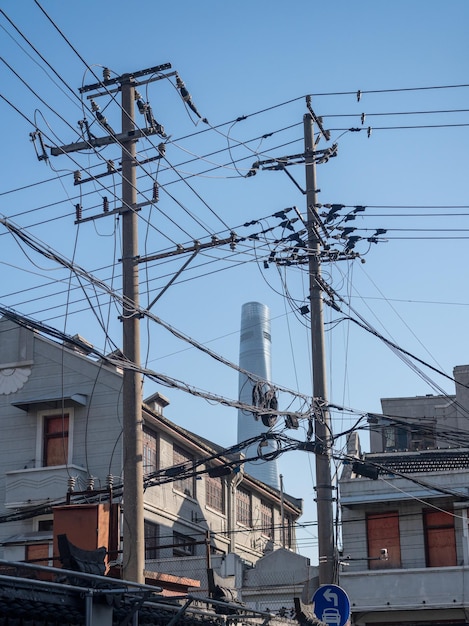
{"type": "Point", "coordinates": [255, 357]}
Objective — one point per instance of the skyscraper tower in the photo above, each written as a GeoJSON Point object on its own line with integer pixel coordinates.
{"type": "Point", "coordinates": [255, 357]}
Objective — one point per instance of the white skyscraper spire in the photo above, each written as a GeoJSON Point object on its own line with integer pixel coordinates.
{"type": "Point", "coordinates": [255, 357]}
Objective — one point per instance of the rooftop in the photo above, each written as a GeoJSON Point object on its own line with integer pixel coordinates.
{"type": "Point", "coordinates": [43, 595]}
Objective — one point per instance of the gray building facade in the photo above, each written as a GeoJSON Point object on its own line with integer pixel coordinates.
{"type": "Point", "coordinates": [405, 538]}
{"type": "Point", "coordinates": [61, 425]}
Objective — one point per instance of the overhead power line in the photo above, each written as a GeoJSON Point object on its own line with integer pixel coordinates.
{"type": "Point", "coordinates": [361, 92]}
{"type": "Point", "coordinates": [49, 253]}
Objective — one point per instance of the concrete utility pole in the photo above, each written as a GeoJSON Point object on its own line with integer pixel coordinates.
{"type": "Point", "coordinates": [133, 518]}
{"type": "Point", "coordinates": [133, 525]}
{"type": "Point", "coordinates": [324, 487]}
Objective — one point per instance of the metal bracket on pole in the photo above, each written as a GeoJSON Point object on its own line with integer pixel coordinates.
{"type": "Point", "coordinates": [321, 423]}
{"type": "Point", "coordinates": [125, 77]}
{"type": "Point", "coordinates": [99, 142]}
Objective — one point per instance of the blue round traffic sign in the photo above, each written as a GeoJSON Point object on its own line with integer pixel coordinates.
{"type": "Point", "coordinates": [331, 605]}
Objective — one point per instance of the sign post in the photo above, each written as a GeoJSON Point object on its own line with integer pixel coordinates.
{"type": "Point", "coordinates": [331, 605]}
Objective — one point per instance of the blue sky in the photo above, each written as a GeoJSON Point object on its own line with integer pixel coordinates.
{"type": "Point", "coordinates": [256, 61]}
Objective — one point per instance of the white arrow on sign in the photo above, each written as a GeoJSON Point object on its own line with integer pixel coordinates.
{"type": "Point", "coordinates": [331, 597]}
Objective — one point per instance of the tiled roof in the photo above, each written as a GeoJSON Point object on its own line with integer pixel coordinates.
{"type": "Point", "coordinates": [424, 461]}
{"type": "Point", "coordinates": [44, 595]}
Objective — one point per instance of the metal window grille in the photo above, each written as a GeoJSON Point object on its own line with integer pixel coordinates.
{"type": "Point", "coordinates": [243, 507]}
{"type": "Point", "coordinates": [150, 451]}
{"type": "Point", "coordinates": [214, 493]}
{"type": "Point", "coordinates": [186, 485]}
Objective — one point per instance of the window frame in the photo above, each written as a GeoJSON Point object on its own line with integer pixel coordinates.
{"type": "Point", "coordinates": [44, 524]}
{"type": "Point", "coordinates": [186, 486]}
{"type": "Point", "coordinates": [438, 554]}
{"type": "Point", "coordinates": [215, 494]}
{"type": "Point", "coordinates": [150, 435]}
{"type": "Point", "coordinates": [409, 437]}
{"type": "Point", "coordinates": [390, 539]}
{"type": "Point", "coordinates": [183, 545]}
{"type": "Point", "coordinates": [244, 520]}
{"type": "Point", "coordinates": [151, 551]}
{"type": "Point", "coordinates": [41, 435]}
{"type": "Point", "coordinates": [266, 511]}
{"type": "Point", "coordinates": [395, 438]}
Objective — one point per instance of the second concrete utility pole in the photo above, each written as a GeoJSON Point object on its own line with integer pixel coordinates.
{"type": "Point", "coordinates": [324, 487]}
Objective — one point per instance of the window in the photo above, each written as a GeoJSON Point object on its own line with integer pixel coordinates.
{"type": "Point", "coordinates": [409, 437]}
{"type": "Point", "coordinates": [395, 438]}
{"type": "Point", "coordinates": [186, 485]}
{"type": "Point", "coordinates": [183, 545]}
{"type": "Point", "coordinates": [45, 525]}
{"type": "Point", "coordinates": [55, 439]}
{"type": "Point", "coordinates": [152, 540]}
{"type": "Point", "coordinates": [243, 507]}
{"type": "Point", "coordinates": [267, 519]}
{"type": "Point", "coordinates": [150, 451]}
{"type": "Point", "coordinates": [215, 493]}
{"type": "Point", "coordinates": [422, 438]}
{"type": "Point", "coordinates": [440, 543]}
{"type": "Point", "coordinates": [382, 531]}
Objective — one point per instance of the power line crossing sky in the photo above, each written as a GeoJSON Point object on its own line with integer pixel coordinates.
{"type": "Point", "coordinates": [388, 81]}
